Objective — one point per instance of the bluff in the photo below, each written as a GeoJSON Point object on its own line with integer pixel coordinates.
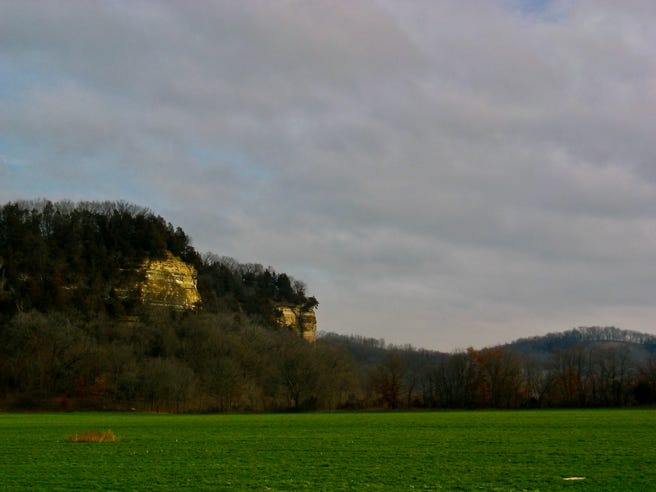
{"type": "Point", "coordinates": [169, 283]}
{"type": "Point", "coordinates": [300, 319]}
{"type": "Point", "coordinates": [116, 258]}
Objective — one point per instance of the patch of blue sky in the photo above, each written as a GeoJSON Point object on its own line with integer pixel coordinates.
{"type": "Point", "coordinates": [33, 171]}
{"type": "Point", "coordinates": [15, 80]}
{"type": "Point", "coordinates": [541, 10]}
{"type": "Point", "coordinates": [11, 154]}
{"type": "Point", "coordinates": [22, 180]}
{"type": "Point", "coordinates": [208, 156]}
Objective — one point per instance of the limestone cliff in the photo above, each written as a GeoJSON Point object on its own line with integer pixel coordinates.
{"type": "Point", "coordinates": [299, 318]}
{"type": "Point", "coordinates": [169, 283]}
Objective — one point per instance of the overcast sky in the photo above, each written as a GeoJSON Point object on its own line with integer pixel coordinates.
{"type": "Point", "coordinates": [445, 173]}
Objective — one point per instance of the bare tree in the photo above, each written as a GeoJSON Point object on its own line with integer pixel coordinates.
{"type": "Point", "coordinates": [386, 380]}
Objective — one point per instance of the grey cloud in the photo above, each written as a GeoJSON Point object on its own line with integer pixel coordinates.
{"type": "Point", "coordinates": [441, 173]}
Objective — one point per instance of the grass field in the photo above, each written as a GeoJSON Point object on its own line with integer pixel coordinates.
{"type": "Point", "coordinates": [524, 450]}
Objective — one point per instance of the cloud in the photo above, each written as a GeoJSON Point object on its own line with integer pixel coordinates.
{"type": "Point", "coordinates": [446, 174]}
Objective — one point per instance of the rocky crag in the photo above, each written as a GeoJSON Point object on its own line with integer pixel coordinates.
{"type": "Point", "coordinates": [169, 283]}
{"type": "Point", "coordinates": [300, 319]}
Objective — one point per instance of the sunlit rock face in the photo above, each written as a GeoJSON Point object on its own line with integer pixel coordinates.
{"type": "Point", "coordinates": [300, 319]}
{"type": "Point", "coordinates": [170, 283]}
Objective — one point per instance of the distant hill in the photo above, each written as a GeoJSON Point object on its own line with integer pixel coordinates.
{"type": "Point", "coordinates": [583, 336]}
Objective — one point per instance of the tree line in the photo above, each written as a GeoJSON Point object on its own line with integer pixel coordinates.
{"type": "Point", "coordinates": [175, 363]}
{"type": "Point", "coordinates": [594, 371]}
{"type": "Point", "coordinates": [207, 362]}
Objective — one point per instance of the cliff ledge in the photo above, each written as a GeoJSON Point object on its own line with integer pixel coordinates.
{"type": "Point", "coordinates": [299, 318]}
{"type": "Point", "coordinates": [169, 283]}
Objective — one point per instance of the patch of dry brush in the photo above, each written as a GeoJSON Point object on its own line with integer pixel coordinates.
{"type": "Point", "coordinates": [93, 436]}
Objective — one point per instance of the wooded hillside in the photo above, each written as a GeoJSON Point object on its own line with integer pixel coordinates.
{"type": "Point", "coordinates": [75, 258]}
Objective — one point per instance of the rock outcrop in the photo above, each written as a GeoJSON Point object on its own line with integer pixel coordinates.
{"type": "Point", "coordinates": [169, 283]}
{"type": "Point", "coordinates": [299, 318]}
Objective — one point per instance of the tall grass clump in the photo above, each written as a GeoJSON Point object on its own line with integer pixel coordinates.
{"type": "Point", "coordinates": [93, 436]}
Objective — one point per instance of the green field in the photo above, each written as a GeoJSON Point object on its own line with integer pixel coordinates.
{"type": "Point", "coordinates": [509, 450]}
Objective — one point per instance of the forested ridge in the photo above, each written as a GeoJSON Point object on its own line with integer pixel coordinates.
{"type": "Point", "coordinates": [69, 339]}
{"type": "Point", "coordinates": [73, 257]}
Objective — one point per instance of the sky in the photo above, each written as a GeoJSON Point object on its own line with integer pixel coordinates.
{"type": "Point", "coordinates": [441, 173]}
